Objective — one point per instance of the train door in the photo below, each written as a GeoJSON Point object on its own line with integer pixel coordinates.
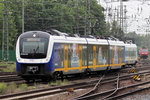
{"type": "Point", "coordinates": [94, 57]}
{"type": "Point", "coordinates": [120, 58]}
{"type": "Point", "coordinates": [65, 58]}
{"type": "Point", "coordinates": [80, 57]}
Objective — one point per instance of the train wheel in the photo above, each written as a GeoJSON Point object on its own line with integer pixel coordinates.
{"type": "Point", "coordinates": [57, 75]}
{"type": "Point", "coordinates": [87, 71]}
{"type": "Point", "coordinates": [46, 79]}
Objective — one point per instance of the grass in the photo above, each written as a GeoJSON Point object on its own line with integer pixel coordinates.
{"type": "Point", "coordinates": [23, 87]}
{"type": "Point", "coordinates": [11, 87]}
{"type": "Point", "coordinates": [59, 82]}
{"type": "Point", "coordinates": [3, 88]}
{"type": "Point", "coordinates": [10, 66]}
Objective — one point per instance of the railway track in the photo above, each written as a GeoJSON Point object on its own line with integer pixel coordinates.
{"type": "Point", "coordinates": [63, 89]}
{"type": "Point", "coordinates": [10, 78]}
{"type": "Point", "coordinates": [116, 93]}
{"type": "Point", "coordinates": [7, 73]}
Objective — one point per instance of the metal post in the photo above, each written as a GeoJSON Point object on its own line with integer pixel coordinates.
{"type": "Point", "coordinates": [87, 18]}
{"type": "Point", "coordinates": [125, 19]}
{"type": "Point", "coordinates": [122, 17]}
{"type": "Point", "coordinates": [77, 19]}
{"type": "Point", "coordinates": [3, 42]}
{"type": "Point", "coordinates": [7, 31]}
{"type": "Point", "coordinates": [22, 16]}
{"type": "Point", "coordinates": [121, 14]}
{"type": "Point", "coordinates": [85, 30]}
{"type": "Point", "coordinates": [89, 10]}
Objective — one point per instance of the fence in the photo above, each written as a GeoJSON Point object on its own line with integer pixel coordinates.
{"type": "Point", "coordinates": [12, 56]}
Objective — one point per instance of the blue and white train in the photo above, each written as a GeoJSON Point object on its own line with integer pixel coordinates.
{"type": "Point", "coordinates": [52, 54]}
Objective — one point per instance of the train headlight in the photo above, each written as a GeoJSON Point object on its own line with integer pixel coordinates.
{"type": "Point", "coordinates": [34, 35]}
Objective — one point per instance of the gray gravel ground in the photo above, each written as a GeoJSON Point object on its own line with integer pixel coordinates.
{"type": "Point", "coordinates": [139, 97]}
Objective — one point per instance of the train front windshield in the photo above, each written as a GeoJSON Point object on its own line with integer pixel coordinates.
{"type": "Point", "coordinates": [144, 50]}
{"type": "Point", "coordinates": [35, 48]}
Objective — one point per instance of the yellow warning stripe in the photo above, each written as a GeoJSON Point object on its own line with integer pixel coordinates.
{"type": "Point", "coordinates": [134, 77]}
{"type": "Point", "coordinates": [137, 77]}
{"type": "Point", "coordinates": [132, 70]}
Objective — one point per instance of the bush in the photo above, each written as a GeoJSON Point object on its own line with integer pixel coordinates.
{"type": "Point", "coordinates": [3, 88]}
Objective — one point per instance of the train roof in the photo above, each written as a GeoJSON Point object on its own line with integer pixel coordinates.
{"type": "Point", "coordinates": [81, 40]}
{"type": "Point", "coordinates": [130, 45]}
{"type": "Point", "coordinates": [35, 34]}
{"type": "Point", "coordinates": [61, 37]}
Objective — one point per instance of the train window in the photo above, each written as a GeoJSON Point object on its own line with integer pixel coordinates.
{"type": "Point", "coordinates": [122, 54]}
{"type": "Point", "coordinates": [58, 57]}
{"type": "Point", "coordinates": [127, 53]}
{"type": "Point", "coordinates": [131, 53]}
{"type": "Point", "coordinates": [69, 54]}
{"type": "Point", "coordinates": [105, 54]}
{"type": "Point", "coordinates": [116, 54]}
{"type": "Point", "coordinates": [84, 55]}
{"type": "Point", "coordinates": [111, 54]}
{"type": "Point", "coordinates": [90, 54]}
{"type": "Point", "coordinates": [34, 48]}
{"type": "Point", "coordinates": [144, 50]}
{"type": "Point", "coordinates": [101, 55]}
{"type": "Point", "coordinates": [73, 55]}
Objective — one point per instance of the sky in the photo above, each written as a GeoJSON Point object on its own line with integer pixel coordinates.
{"type": "Point", "coordinates": [137, 14]}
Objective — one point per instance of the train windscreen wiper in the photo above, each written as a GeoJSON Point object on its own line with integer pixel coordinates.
{"type": "Point", "coordinates": [35, 50]}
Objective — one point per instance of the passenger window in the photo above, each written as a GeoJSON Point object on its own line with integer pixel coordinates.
{"type": "Point", "coordinates": [90, 55]}
{"type": "Point", "coordinates": [84, 55]}
{"type": "Point", "coordinates": [58, 57]}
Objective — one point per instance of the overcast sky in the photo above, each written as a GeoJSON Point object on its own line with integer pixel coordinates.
{"type": "Point", "coordinates": [138, 14]}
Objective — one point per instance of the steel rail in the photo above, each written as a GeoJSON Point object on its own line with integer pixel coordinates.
{"type": "Point", "coordinates": [114, 91]}
{"type": "Point", "coordinates": [93, 89]}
